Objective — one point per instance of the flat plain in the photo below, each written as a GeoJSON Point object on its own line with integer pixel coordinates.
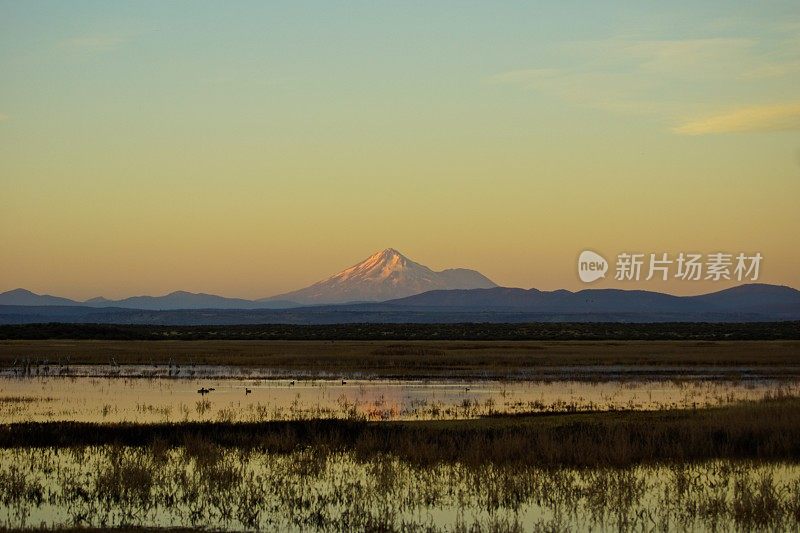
{"type": "Point", "coordinates": [603, 427]}
{"type": "Point", "coordinates": [412, 358]}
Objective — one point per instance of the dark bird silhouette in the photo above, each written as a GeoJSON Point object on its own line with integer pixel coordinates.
{"type": "Point", "coordinates": [202, 391]}
{"type": "Point", "coordinates": [344, 382]}
{"type": "Point", "coordinates": [247, 391]}
{"type": "Point", "coordinates": [291, 383]}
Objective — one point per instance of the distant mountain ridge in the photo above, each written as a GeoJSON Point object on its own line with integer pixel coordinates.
{"type": "Point", "coordinates": [749, 298]}
{"type": "Point", "coordinates": [745, 303]}
{"type": "Point", "coordinates": [384, 275]}
{"type": "Point", "coordinates": [172, 301]}
{"type": "Point", "coordinates": [26, 297]}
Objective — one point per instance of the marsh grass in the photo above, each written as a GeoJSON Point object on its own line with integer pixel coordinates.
{"type": "Point", "coordinates": [708, 332]}
{"type": "Point", "coordinates": [201, 484]}
{"type": "Point", "coordinates": [422, 358]}
{"type": "Point", "coordinates": [764, 430]}
{"type": "Point", "coordinates": [24, 399]}
{"type": "Point", "coordinates": [719, 469]}
{"type": "Point", "coordinates": [408, 349]}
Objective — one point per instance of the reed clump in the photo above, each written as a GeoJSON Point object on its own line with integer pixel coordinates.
{"type": "Point", "coordinates": [766, 430]}
{"type": "Point", "coordinates": [663, 348]}
{"type": "Point", "coordinates": [302, 490]}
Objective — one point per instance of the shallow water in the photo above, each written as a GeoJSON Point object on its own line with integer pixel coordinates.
{"type": "Point", "coordinates": [162, 399]}
{"type": "Point", "coordinates": [310, 491]}
{"type": "Point", "coordinates": [539, 373]}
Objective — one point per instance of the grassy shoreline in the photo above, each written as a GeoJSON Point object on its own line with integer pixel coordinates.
{"type": "Point", "coordinates": [768, 430]}
{"type": "Point", "coordinates": [540, 331]}
{"type": "Point", "coordinates": [412, 358]}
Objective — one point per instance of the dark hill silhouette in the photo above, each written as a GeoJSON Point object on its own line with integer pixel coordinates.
{"type": "Point", "coordinates": [751, 298]}
{"type": "Point", "coordinates": [745, 303]}
{"type": "Point", "coordinates": [26, 297]}
{"type": "Point", "coordinates": [172, 301]}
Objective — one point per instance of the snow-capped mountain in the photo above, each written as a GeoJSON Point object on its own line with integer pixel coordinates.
{"type": "Point", "coordinates": [383, 276]}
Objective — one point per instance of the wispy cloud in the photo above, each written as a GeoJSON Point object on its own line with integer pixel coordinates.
{"type": "Point", "coordinates": [652, 59]}
{"type": "Point", "coordinates": [755, 118]}
{"type": "Point", "coordinates": [773, 70]}
{"type": "Point", "coordinates": [244, 78]}
{"type": "Point", "coordinates": [92, 43]}
{"type": "Point", "coordinates": [610, 90]}
{"type": "Point", "coordinates": [525, 77]}
{"type": "Point", "coordinates": [630, 75]}
{"type": "Point", "coordinates": [667, 57]}
{"type": "Point", "coordinates": [670, 79]}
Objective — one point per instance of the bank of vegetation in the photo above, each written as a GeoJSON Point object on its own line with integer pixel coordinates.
{"type": "Point", "coordinates": [767, 430]}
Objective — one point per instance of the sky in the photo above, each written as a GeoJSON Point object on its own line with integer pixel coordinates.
{"type": "Point", "coordinates": [251, 148]}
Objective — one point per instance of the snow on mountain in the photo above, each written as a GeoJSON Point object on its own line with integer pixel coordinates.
{"type": "Point", "coordinates": [383, 276]}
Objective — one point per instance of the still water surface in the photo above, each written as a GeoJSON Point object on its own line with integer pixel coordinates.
{"type": "Point", "coordinates": [163, 399]}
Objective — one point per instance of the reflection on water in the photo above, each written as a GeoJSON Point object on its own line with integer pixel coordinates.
{"type": "Point", "coordinates": [201, 485]}
{"type": "Point", "coordinates": [137, 399]}
{"type": "Point", "coordinates": [43, 368]}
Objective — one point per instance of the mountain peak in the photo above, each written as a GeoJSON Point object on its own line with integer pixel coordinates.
{"type": "Point", "coordinates": [20, 292]}
{"type": "Point", "coordinates": [25, 297]}
{"type": "Point", "coordinates": [385, 275]}
{"type": "Point", "coordinates": [381, 264]}
{"type": "Point", "coordinates": [388, 255]}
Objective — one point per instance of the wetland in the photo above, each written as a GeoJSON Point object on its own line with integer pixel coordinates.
{"type": "Point", "coordinates": [400, 436]}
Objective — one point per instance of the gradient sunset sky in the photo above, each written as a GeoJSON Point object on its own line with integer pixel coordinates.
{"type": "Point", "coordinates": [251, 148]}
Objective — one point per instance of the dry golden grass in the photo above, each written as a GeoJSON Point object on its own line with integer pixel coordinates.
{"type": "Point", "coordinates": [408, 358]}
{"type": "Point", "coordinates": [764, 430]}
{"type": "Point", "coordinates": [235, 489]}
